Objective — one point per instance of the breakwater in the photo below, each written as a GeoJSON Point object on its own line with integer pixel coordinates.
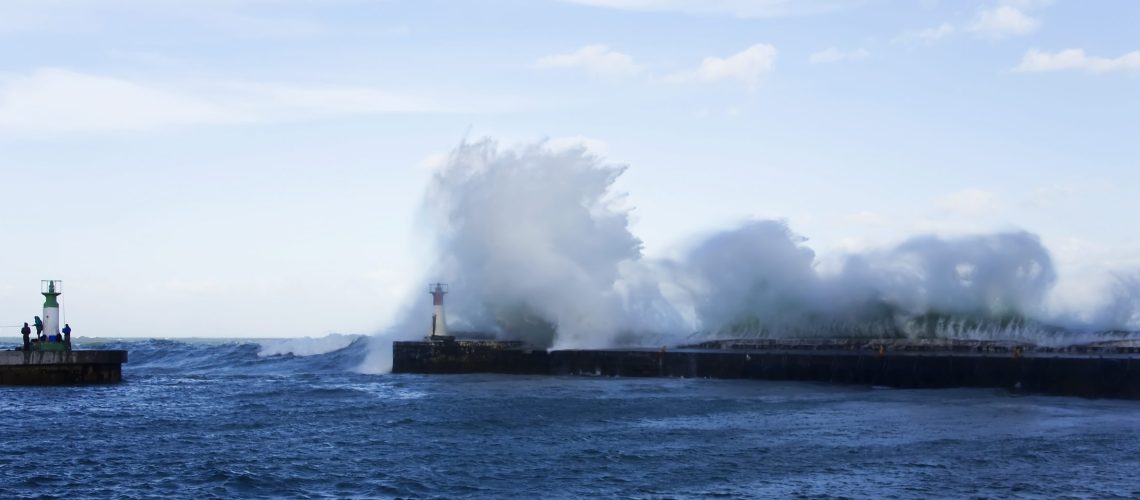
{"type": "Point", "coordinates": [61, 367]}
{"type": "Point", "coordinates": [1109, 370]}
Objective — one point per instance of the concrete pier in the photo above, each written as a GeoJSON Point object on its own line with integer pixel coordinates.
{"type": "Point", "coordinates": [1107, 370]}
{"type": "Point", "coordinates": [61, 367]}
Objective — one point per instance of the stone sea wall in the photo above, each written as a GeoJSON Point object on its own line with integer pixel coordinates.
{"type": "Point", "coordinates": [1101, 373]}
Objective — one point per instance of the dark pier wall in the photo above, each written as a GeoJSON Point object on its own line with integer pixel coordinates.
{"type": "Point", "coordinates": [61, 367]}
{"type": "Point", "coordinates": [1105, 375]}
{"type": "Point", "coordinates": [468, 357]}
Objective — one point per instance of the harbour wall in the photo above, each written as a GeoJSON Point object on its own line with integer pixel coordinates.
{"type": "Point", "coordinates": [61, 367]}
{"type": "Point", "coordinates": [1098, 373]}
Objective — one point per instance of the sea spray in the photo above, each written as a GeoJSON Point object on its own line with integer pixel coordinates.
{"type": "Point", "coordinates": [1123, 306]}
{"type": "Point", "coordinates": [536, 245]}
{"type": "Point", "coordinates": [539, 244]}
{"type": "Point", "coordinates": [759, 279]}
{"type": "Point", "coordinates": [379, 354]}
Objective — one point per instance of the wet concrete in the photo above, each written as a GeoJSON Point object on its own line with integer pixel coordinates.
{"type": "Point", "coordinates": [61, 367]}
{"type": "Point", "coordinates": [1092, 371]}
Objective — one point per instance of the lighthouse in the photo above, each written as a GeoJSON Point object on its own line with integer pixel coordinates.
{"type": "Point", "coordinates": [51, 290]}
{"type": "Point", "coordinates": [438, 322]}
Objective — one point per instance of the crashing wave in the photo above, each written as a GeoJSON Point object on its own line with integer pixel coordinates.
{"type": "Point", "coordinates": [306, 346]}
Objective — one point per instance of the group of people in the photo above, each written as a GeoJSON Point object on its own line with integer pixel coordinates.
{"type": "Point", "coordinates": [26, 331]}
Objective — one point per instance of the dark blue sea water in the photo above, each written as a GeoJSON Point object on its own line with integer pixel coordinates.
{"type": "Point", "coordinates": [210, 420]}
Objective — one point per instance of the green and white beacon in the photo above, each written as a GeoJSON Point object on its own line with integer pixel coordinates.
{"type": "Point", "coordinates": [51, 290]}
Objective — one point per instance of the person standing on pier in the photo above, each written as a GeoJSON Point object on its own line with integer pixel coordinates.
{"type": "Point", "coordinates": [26, 332]}
{"type": "Point", "coordinates": [67, 334]}
{"type": "Point", "coordinates": [39, 329]}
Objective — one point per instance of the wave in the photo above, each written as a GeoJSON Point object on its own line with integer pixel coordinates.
{"type": "Point", "coordinates": [538, 245]}
{"type": "Point", "coordinates": [306, 346]}
{"type": "Point", "coordinates": [338, 354]}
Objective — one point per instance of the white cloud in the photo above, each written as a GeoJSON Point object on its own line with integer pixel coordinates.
{"type": "Point", "coordinates": [1003, 21]}
{"type": "Point", "coordinates": [597, 60]}
{"type": "Point", "coordinates": [737, 8]}
{"type": "Point", "coordinates": [747, 66]}
{"type": "Point", "coordinates": [1077, 60]}
{"type": "Point", "coordinates": [1005, 18]}
{"type": "Point", "coordinates": [62, 101]}
{"type": "Point", "coordinates": [832, 54]}
{"type": "Point", "coordinates": [968, 203]}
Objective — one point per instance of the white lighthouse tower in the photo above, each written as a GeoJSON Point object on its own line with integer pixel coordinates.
{"type": "Point", "coordinates": [51, 289]}
{"type": "Point", "coordinates": [438, 322]}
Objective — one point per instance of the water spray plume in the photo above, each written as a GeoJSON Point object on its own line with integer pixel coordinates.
{"type": "Point", "coordinates": [536, 239]}
{"type": "Point", "coordinates": [537, 246]}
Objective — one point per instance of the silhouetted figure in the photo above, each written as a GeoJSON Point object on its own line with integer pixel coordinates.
{"type": "Point", "coordinates": [26, 332]}
{"type": "Point", "coordinates": [66, 333]}
{"type": "Point", "coordinates": [39, 329]}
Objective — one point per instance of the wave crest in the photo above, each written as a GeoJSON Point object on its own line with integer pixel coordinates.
{"type": "Point", "coordinates": [306, 346]}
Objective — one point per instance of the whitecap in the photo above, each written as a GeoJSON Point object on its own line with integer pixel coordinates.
{"type": "Point", "coordinates": [306, 346]}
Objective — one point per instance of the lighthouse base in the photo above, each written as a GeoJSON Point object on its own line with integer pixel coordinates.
{"type": "Point", "coordinates": [61, 367]}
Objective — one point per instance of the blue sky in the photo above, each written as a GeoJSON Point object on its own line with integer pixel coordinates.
{"type": "Point", "coordinates": [256, 167]}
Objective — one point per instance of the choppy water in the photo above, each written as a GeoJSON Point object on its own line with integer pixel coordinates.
{"type": "Point", "coordinates": [218, 420]}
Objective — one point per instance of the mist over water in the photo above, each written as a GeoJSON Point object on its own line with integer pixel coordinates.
{"type": "Point", "coordinates": [537, 246]}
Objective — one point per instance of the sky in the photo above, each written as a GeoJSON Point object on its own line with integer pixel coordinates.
{"type": "Point", "coordinates": [257, 168]}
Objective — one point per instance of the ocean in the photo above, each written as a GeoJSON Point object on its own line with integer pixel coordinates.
{"type": "Point", "coordinates": [295, 419]}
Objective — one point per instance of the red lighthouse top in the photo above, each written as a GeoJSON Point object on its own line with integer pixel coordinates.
{"type": "Point", "coordinates": [437, 292]}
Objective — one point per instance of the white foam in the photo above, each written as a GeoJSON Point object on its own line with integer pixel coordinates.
{"type": "Point", "coordinates": [306, 346]}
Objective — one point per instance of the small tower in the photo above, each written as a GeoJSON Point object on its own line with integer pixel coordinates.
{"type": "Point", "coordinates": [51, 290]}
{"type": "Point", "coordinates": [438, 322]}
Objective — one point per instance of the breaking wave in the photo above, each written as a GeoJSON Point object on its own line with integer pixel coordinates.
{"type": "Point", "coordinates": [306, 346]}
{"type": "Point", "coordinates": [537, 246]}
{"type": "Point", "coordinates": [237, 357]}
